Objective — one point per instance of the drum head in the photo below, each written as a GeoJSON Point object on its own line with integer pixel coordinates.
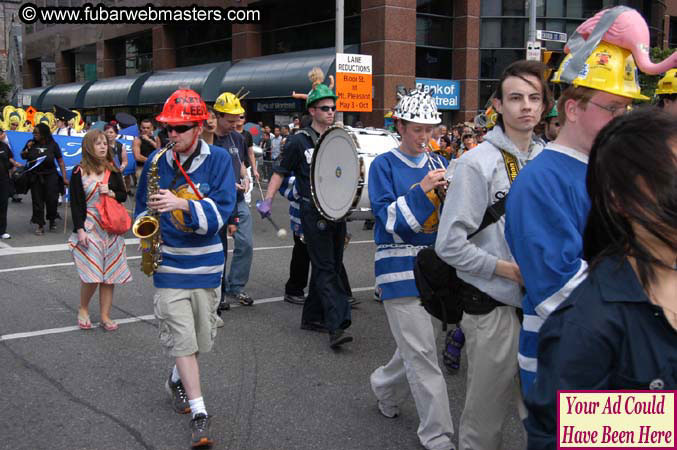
{"type": "Point", "coordinates": [335, 173]}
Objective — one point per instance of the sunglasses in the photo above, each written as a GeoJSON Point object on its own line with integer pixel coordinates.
{"type": "Point", "coordinates": [180, 128]}
{"type": "Point", "coordinates": [326, 108]}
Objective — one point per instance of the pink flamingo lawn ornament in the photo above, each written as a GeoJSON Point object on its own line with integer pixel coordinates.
{"type": "Point", "coordinates": [630, 31]}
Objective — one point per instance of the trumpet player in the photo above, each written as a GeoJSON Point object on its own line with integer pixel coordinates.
{"type": "Point", "coordinates": [404, 196]}
{"type": "Point", "coordinates": [491, 288]}
{"type": "Point", "coordinates": [191, 192]}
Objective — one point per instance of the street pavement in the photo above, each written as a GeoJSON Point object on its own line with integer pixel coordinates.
{"type": "Point", "coordinates": [267, 384]}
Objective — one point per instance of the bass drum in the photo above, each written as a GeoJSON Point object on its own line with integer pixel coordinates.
{"type": "Point", "coordinates": [339, 170]}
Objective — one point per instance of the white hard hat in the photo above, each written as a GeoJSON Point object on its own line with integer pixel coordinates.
{"type": "Point", "coordinates": [417, 106]}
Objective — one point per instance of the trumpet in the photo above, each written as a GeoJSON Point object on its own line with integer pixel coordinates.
{"type": "Point", "coordinates": [434, 163]}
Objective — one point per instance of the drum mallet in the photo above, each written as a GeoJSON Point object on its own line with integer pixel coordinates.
{"type": "Point", "coordinates": [281, 232]}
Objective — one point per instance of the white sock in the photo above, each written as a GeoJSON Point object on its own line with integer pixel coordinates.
{"type": "Point", "coordinates": [197, 406]}
{"type": "Point", "coordinates": [175, 375]}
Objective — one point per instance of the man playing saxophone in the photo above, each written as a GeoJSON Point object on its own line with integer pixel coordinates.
{"type": "Point", "coordinates": [192, 193]}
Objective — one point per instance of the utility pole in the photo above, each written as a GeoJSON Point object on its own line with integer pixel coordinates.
{"type": "Point", "coordinates": [339, 41]}
{"type": "Point", "coordinates": [532, 20]}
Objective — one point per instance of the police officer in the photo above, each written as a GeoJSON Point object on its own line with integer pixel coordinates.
{"type": "Point", "coordinates": [326, 307]}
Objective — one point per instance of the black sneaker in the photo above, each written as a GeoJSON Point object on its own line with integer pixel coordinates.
{"type": "Point", "coordinates": [338, 338]}
{"type": "Point", "coordinates": [243, 298]}
{"type": "Point", "coordinates": [352, 301]}
{"type": "Point", "coordinates": [223, 304]}
{"type": "Point", "coordinates": [294, 299]}
{"type": "Point", "coordinates": [52, 225]}
{"type": "Point", "coordinates": [178, 395]}
{"type": "Point", "coordinates": [314, 326]}
{"type": "Point", "coordinates": [199, 430]}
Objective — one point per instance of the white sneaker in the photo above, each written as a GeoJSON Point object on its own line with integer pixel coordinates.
{"type": "Point", "coordinates": [389, 411]}
{"type": "Point", "coordinates": [219, 322]}
{"type": "Point", "coordinates": [6, 236]}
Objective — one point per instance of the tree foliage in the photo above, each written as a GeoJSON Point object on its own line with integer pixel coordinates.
{"type": "Point", "coordinates": [648, 82]}
{"type": "Point", "coordinates": [5, 90]}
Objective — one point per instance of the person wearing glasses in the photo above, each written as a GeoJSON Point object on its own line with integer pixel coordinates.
{"type": "Point", "coordinates": [548, 204]}
{"type": "Point", "coordinates": [197, 190]}
{"type": "Point", "coordinates": [326, 308]}
{"type": "Point", "coordinates": [228, 111]}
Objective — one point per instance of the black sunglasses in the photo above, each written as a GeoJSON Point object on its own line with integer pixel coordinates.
{"type": "Point", "coordinates": [180, 128]}
{"type": "Point", "coordinates": [326, 108]}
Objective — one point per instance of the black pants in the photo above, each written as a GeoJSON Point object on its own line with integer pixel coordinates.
{"type": "Point", "coordinates": [299, 268]}
{"type": "Point", "coordinates": [4, 197]}
{"type": "Point", "coordinates": [223, 234]}
{"type": "Point", "coordinates": [327, 300]}
{"type": "Point", "coordinates": [44, 193]}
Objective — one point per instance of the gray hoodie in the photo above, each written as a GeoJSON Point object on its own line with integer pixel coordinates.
{"type": "Point", "coordinates": [479, 179]}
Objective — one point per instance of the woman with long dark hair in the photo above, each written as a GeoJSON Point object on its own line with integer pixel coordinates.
{"type": "Point", "coordinates": [42, 152]}
{"type": "Point", "coordinates": [618, 329]}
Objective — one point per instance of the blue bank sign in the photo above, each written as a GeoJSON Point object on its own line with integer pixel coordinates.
{"type": "Point", "coordinates": [445, 92]}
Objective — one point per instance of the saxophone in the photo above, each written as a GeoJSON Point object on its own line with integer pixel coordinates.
{"type": "Point", "coordinates": [147, 228]}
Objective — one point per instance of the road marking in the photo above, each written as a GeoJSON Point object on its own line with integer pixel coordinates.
{"type": "Point", "coordinates": [29, 334]}
{"type": "Point", "coordinates": [47, 266]}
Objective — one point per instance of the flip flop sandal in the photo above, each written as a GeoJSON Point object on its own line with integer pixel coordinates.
{"type": "Point", "coordinates": [109, 326]}
{"type": "Point", "coordinates": [84, 323]}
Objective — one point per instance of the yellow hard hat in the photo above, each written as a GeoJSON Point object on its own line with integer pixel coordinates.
{"type": "Point", "coordinates": [668, 84]}
{"type": "Point", "coordinates": [228, 103]}
{"type": "Point", "coordinates": [610, 69]}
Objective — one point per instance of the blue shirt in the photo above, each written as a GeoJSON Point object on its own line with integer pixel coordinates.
{"type": "Point", "coordinates": [606, 335]}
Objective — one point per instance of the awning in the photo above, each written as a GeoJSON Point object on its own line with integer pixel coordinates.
{"type": "Point", "coordinates": [116, 91]}
{"type": "Point", "coordinates": [275, 76]}
{"type": "Point", "coordinates": [67, 95]}
{"type": "Point", "coordinates": [31, 96]}
{"type": "Point", "coordinates": [204, 79]}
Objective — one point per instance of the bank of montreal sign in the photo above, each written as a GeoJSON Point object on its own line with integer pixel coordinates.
{"type": "Point", "coordinates": [445, 92]}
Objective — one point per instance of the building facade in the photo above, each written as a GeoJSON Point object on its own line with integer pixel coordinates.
{"type": "Point", "coordinates": [467, 41]}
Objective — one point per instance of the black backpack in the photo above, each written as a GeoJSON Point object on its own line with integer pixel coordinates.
{"type": "Point", "coordinates": [441, 291]}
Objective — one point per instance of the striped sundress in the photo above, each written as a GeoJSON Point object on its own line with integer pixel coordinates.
{"type": "Point", "coordinates": [104, 260]}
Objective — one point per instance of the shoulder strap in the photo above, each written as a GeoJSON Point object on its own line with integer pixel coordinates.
{"type": "Point", "coordinates": [495, 211]}
{"type": "Point", "coordinates": [312, 134]}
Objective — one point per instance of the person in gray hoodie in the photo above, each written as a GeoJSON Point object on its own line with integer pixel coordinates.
{"type": "Point", "coordinates": [492, 292]}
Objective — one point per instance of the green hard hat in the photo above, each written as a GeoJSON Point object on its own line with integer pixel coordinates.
{"type": "Point", "coordinates": [552, 113]}
{"type": "Point", "coordinates": [320, 92]}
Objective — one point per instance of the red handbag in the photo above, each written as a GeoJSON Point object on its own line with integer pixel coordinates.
{"type": "Point", "coordinates": [114, 217]}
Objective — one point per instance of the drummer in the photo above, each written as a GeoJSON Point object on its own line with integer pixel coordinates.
{"type": "Point", "coordinates": [326, 308]}
{"type": "Point", "coordinates": [403, 186]}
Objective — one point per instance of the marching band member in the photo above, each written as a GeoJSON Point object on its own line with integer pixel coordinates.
{"type": "Point", "coordinates": [405, 204]}
{"type": "Point", "coordinates": [491, 292]}
{"type": "Point", "coordinates": [189, 277]}
{"type": "Point", "coordinates": [548, 204]}
{"type": "Point", "coordinates": [326, 307]}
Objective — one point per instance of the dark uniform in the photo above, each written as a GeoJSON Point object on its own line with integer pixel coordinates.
{"type": "Point", "coordinates": [45, 186]}
{"type": "Point", "coordinates": [606, 336]}
{"type": "Point", "coordinates": [327, 301]}
{"type": "Point", "coordinates": [5, 165]}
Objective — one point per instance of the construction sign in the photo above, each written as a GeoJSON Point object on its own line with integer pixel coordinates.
{"type": "Point", "coordinates": [353, 82]}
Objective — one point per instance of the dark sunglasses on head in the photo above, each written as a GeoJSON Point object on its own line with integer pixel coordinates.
{"type": "Point", "coordinates": [180, 128]}
{"type": "Point", "coordinates": [326, 108]}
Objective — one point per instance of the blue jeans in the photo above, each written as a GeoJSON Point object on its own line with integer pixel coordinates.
{"type": "Point", "coordinates": [243, 252]}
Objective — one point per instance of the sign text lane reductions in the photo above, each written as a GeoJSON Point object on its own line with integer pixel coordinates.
{"type": "Point", "coordinates": [353, 82]}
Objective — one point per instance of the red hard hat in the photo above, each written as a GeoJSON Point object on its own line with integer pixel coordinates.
{"type": "Point", "coordinates": [184, 105]}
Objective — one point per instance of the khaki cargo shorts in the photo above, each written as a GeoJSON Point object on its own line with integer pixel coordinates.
{"type": "Point", "coordinates": [187, 319]}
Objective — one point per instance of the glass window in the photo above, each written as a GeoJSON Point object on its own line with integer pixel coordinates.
{"type": "Point", "coordinates": [540, 8]}
{"type": "Point", "coordinates": [433, 63]}
{"type": "Point", "coordinates": [437, 7]}
{"type": "Point", "coordinates": [490, 8]}
{"type": "Point", "coordinates": [205, 53]}
{"type": "Point", "coordinates": [433, 31]}
{"type": "Point", "coordinates": [490, 33]}
{"type": "Point", "coordinates": [673, 32]}
{"type": "Point", "coordinates": [513, 7]}
{"type": "Point", "coordinates": [493, 62]}
{"type": "Point", "coordinates": [512, 33]}
{"type": "Point", "coordinates": [487, 88]}
{"type": "Point", "coordinates": [291, 13]}
{"type": "Point", "coordinates": [555, 8]}
{"type": "Point", "coordinates": [317, 35]}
